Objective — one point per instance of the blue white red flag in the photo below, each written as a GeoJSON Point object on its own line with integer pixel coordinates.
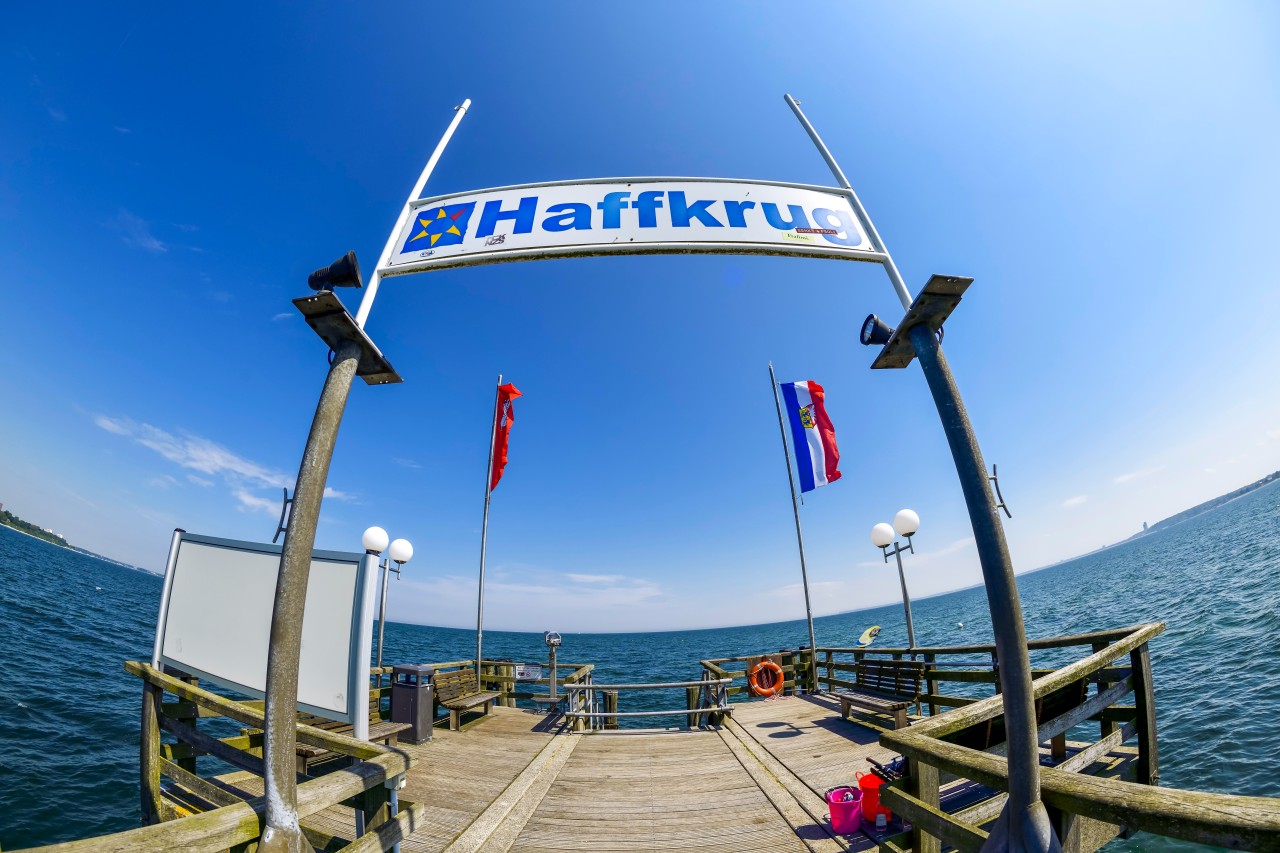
{"type": "Point", "coordinates": [812, 434]}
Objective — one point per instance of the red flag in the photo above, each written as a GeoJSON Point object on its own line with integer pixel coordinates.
{"type": "Point", "coordinates": [504, 416]}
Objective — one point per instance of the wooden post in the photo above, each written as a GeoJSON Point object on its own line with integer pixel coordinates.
{"type": "Point", "coordinates": [149, 753]}
{"type": "Point", "coordinates": [1106, 727]}
{"type": "Point", "coordinates": [578, 702]}
{"type": "Point", "coordinates": [995, 669]}
{"type": "Point", "coordinates": [1145, 702]}
{"type": "Point", "coordinates": [691, 702]}
{"type": "Point", "coordinates": [508, 688]}
{"type": "Point", "coordinates": [786, 659]}
{"type": "Point", "coordinates": [923, 784]}
{"type": "Point", "coordinates": [931, 684]}
{"type": "Point", "coordinates": [1058, 747]}
{"type": "Point", "coordinates": [375, 803]}
{"type": "Point", "coordinates": [190, 762]}
{"type": "Point", "coordinates": [830, 659]}
{"type": "Point", "coordinates": [610, 707]}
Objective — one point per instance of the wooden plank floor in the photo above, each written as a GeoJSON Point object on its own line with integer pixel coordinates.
{"type": "Point", "coordinates": [808, 735]}
{"type": "Point", "coordinates": [515, 780]}
{"type": "Point", "coordinates": [655, 791]}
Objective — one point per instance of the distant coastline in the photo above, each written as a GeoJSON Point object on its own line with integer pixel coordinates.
{"type": "Point", "coordinates": [26, 528]}
{"type": "Point", "coordinates": [1201, 509]}
{"type": "Point", "coordinates": [8, 519]}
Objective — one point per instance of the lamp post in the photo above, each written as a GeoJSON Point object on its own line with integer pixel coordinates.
{"type": "Point", "coordinates": [905, 523]}
{"type": "Point", "coordinates": [399, 552]}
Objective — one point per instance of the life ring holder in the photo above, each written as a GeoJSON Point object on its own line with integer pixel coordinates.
{"type": "Point", "coordinates": [769, 685]}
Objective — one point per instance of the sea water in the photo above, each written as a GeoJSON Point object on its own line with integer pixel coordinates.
{"type": "Point", "coordinates": [69, 712]}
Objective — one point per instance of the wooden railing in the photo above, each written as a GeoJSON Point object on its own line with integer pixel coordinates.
{"type": "Point", "coordinates": [234, 823]}
{"type": "Point", "coordinates": [797, 674]}
{"type": "Point", "coordinates": [968, 742]}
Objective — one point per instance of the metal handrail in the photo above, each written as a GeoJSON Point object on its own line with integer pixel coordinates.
{"type": "Point", "coordinates": [581, 699]}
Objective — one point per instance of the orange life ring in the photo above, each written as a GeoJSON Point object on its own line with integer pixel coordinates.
{"type": "Point", "coordinates": [765, 679]}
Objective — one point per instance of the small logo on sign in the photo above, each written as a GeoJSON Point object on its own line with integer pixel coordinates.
{"type": "Point", "coordinates": [440, 226]}
{"type": "Point", "coordinates": [496, 240]}
{"type": "Point", "coordinates": [799, 238]}
{"type": "Point", "coordinates": [816, 231]}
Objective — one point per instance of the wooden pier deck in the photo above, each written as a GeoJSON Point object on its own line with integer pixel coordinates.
{"type": "Point", "coordinates": [515, 780]}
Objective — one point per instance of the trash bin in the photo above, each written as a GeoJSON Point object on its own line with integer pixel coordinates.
{"type": "Point", "coordinates": [411, 700]}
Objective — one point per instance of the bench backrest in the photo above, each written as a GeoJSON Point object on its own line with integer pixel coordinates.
{"type": "Point", "coordinates": [456, 684]}
{"type": "Point", "coordinates": [891, 677]}
{"type": "Point", "coordinates": [375, 715]}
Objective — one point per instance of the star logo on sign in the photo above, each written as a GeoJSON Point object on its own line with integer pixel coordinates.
{"type": "Point", "coordinates": [440, 226]}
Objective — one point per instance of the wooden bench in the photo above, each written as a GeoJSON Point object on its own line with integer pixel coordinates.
{"type": "Point", "coordinates": [380, 731]}
{"type": "Point", "coordinates": [884, 686]}
{"type": "Point", "coordinates": [458, 691]}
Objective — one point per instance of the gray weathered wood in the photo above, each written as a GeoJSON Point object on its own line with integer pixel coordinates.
{"type": "Point", "coordinates": [1145, 701]}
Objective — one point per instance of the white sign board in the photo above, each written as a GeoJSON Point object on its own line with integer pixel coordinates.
{"type": "Point", "coordinates": [629, 216]}
{"type": "Point", "coordinates": [528, 672]}
{"type": "Point", "coordinates": [215, 622]}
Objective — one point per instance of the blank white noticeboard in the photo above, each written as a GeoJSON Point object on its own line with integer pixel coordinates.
{"type": "Point", "coordinates": [215, 621]}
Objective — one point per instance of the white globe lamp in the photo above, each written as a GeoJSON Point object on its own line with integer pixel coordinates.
{"type": "Point", "coordinates": [906, 522]}
{"type": "Point", "coordinates": [882, 535]}
{"type": "Point", "coordinates": [375, 540]}
{"type": "Point", "coordinates": [400, 551]}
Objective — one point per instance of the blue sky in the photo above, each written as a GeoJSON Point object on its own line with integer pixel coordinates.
{"type": "Point", "coordinates": [169, 176]}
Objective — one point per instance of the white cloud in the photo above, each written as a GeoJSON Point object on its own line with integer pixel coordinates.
{"type": "Point", "coordinates": [56, 114]}
{"type": "Point", "coordinates": [405, 463]}
{"type": "Point", "coordinates": [137, 233]}
{"type": "Point", "coordinates": [283, 315]}
{"type": "Point", "coordinates": [207, 457]}
{"type": "Point", "coordinates": [253, 503]}
{"type": "Point", "coordinates": [1076, 501]}
{"type": "Point", "coordinates": [594, 578]}
{"type": "Point", "coordinates": [119, 427]}
{"type": "Point", "coordinates": [119, 129]}
{"type": "Point", "coordinates": [1137, 475]}
{"type": "Point", "coordinates": [164, 481]}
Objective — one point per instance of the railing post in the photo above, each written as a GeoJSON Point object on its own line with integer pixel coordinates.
{"type": "Point", "coordinates": [931, 684]}
{"type": "Point", "coordinates": [829, 657]}
{"type": "Point", "coordinates": [923, 784]}
{"type": "Point", "coordinates": [691, 702]}
{"type": "Point", "coordinates": [1106, 727]}
{"type": "Point", "coordinates": [578, 703]}
{"type": "Point", "coordinates": [188, 763]}
{"type": "Point", "coordinates": [1145, 702]}
{"type": "Point", "coordinates": [149, 753]}
{"type": "Point", "coordinates": [375, 806]}
{"type": "Point", "coordinates": [611, 707]}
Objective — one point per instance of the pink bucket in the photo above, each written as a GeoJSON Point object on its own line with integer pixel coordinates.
{"type": "Point", "coordinates": [845, 804]}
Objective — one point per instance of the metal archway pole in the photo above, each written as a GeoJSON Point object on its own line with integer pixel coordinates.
{"type": "Point", "coordinates": [1024, 824]}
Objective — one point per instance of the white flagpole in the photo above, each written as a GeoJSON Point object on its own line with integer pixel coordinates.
{"type": "Point", "coordinates": [484, 531]}
{"type": "Point", "coordinates": [795, 506]}
{"type": "Point", "coordinates": [371, 288]}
